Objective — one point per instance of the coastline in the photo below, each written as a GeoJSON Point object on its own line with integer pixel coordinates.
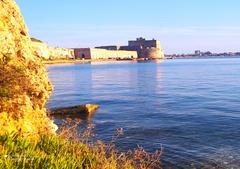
{"type": "Point", "coordinates": [103, 61]}
{"type": "Point", "coordinates": [99, 61]}
{"type": "Point", "coordinates": [62, 61]}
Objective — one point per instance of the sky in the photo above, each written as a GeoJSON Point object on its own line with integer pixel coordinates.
{"type": "Point", "coordinates": [182, 26]}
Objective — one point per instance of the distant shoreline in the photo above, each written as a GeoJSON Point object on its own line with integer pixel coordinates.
{"type": "Point", "coordinates": [49, 62]}
{"type": "Point", "coordinates": [78, 61]}
{"type": "Point", "coordinates": [199, 57]}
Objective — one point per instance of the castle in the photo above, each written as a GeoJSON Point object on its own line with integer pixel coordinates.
{"type": "Point", "coordinates": [136, 49]}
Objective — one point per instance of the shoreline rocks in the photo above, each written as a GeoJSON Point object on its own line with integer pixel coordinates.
{"type": "Point", "coordinates": [85, 111]}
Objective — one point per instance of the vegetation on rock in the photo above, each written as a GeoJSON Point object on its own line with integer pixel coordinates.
{"type": "Point", "coordinates": [72, 150]}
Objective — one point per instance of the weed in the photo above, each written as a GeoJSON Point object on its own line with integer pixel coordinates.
{"type": "Point", "coordinates": [71, 149]}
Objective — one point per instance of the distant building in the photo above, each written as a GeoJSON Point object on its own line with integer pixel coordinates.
{"type": "Point", "coordinates": [208, 53]}
{"type": "Point", "coordinates": [145, 43]}
{"type": "Point", "coordinates": [197, 52]}
{"type": "Point", "coordinates": [147, 49]}
{"type": "Point", "coordinates": [99, 53]}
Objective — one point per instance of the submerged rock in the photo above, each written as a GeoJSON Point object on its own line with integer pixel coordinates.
{"type": "Point", "coordinates": [82, 111]}
{"type": "Point", "coordinates": [24, 85]}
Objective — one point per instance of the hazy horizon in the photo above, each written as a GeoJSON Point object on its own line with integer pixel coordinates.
{"type": "Point", "coordinates": [182, 27]}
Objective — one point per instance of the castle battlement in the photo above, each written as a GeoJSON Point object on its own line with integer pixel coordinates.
{"type": "Point", "coordinates": [144, 44]}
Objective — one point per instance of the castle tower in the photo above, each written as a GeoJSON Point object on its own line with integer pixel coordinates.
{"type": "Point", "coordinates": [149, 49]}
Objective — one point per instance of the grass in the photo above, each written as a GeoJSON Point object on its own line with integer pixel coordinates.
{"type": "Point", "coordinates": [69, 149]}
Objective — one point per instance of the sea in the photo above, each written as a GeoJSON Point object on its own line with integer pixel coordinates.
{"type": "Point", "coordinates": [189, 108]}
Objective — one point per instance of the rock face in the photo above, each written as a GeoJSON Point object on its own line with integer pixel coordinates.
{"type": "Point", "coordinates": [24, 85]}
{"type": "Point", "coordinates": [43, 51]}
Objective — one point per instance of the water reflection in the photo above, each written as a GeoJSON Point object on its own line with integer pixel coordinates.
{"type": "Point", "coordinates": [191, 107]}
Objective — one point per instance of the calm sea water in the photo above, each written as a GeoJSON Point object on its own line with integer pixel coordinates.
{"type": "Point", "coordinates": [191, 107]}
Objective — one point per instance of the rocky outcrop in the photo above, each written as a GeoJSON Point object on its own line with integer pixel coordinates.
{"type": "Point", "coordinates": [45, 52]}
{"type": "Point", "coordinates": [85, 111]}
{"type": "Point", "coordinates": [60, 53]}
{"type": "Point", "coordinates": [41, 50]}
{"type": "Point", "coordinates": [24, 85]}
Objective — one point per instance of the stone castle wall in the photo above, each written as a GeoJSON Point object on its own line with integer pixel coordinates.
{"type": "Point", "coordinates": [145, 43]}
{"type": "Point", "coordinates": [95, 54]}
{"type": "Point", "coordinates": [112, 54]}
{"type": "Point", "coordinates": [82, 53]}
{"type": "Point", "coordinates": [151, 53]}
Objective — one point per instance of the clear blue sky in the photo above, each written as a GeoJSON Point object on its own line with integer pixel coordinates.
{"type": "Point", "coordinates": [181, 25]}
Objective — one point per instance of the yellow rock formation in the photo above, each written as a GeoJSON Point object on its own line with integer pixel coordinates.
{"type": "Point", "coordinates": [24, 85]}
{"type": "Point", "coordinates": [43, 51]}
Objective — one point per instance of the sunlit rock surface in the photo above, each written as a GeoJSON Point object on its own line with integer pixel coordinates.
{"type": "Point", "coordinates": [24, 85]}
{"type": "Point", "coordinates": [46, 52]}
{"type": "Point", "coordinates": [81, 111]}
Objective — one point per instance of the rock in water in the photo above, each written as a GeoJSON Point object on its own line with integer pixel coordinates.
{"type": "Point", "coordinates": [24, 85]}
{"type": "Point", "coordinates": [82, 111]}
